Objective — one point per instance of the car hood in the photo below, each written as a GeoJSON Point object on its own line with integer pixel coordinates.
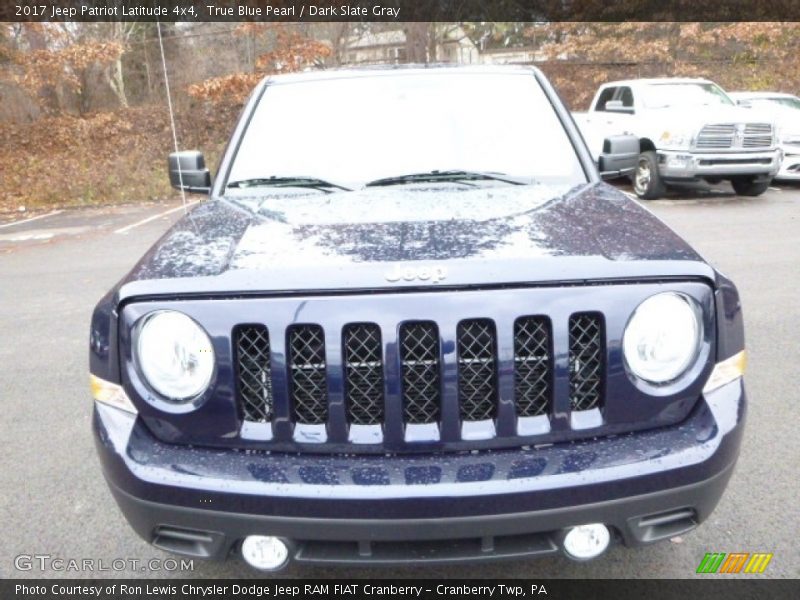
{"type": "Point", "coordinates": [787, 121]}
{"type": "Point", "coordinates": [698, 116]}
{"type": "Point", "coordinates": [419, 235]}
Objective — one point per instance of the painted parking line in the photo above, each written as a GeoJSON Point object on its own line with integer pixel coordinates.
{"type": "Point", "coordinates": [127, 228]}
{"type": "Point", "coordinates": [26, 236]}
{"type": "Point", "coordinates": [36, 218]}
{"type": "Point", "coordinates": [774, 189]}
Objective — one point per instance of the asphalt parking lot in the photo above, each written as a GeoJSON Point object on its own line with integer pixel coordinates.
{"type": "Point", "coordinates": [54, 500]}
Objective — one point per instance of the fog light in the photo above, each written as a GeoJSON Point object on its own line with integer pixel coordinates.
{"type": "Point", "coordinates": [265, 553]}
{"type": "Point", "coordinates": [679, 161]}
{"type": "Point", "coordinates": [586, 541]}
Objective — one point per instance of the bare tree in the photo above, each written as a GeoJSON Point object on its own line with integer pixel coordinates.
{"type": "Point", "coordinates": [418, 40]}
{"type": "Point", "coordinates": [119, 32]}
{"type": "Point", "coordinates": [340, 35]}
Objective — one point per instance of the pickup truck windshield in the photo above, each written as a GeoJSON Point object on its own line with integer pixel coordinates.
{"type": "Point", "coordinates": [356, 129]}
{"type": "Point", "coordinates": [669, 95]}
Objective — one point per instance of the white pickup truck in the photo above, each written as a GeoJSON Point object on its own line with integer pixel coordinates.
{"type": "Point", "coordinates": [689, 130]}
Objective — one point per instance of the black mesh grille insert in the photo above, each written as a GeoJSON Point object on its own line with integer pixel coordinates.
{"type": "Point", "coordinates": [532, 366]}
{"type": "Point", "coordinates": [586, 361]}
{"type": "Point", "coordinates": [477, 379]}
{"type": "Point", "coordinates": [477, 370]}
{"type": "Point", "coordinates": [254, 378]}
{"type": "Point", "coordinates": [419, 356]}
{"type": "Point", "coordinates": [309, 390]}
{"type": "Point", "coordinates": [363, 372]}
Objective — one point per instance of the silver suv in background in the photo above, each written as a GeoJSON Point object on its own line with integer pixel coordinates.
{"type": "Point", "coordinates": [785, 109]}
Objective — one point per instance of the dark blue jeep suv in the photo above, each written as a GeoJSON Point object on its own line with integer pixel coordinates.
{"type": "Point", "coordinates": [412, 324]}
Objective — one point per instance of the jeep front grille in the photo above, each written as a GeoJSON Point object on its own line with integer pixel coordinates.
{"type": "Point", "coordinates": [309, 392]}
{"type": "Point", "coordinates": [422, 372]}
{"type": "Point", "coordinates": [441, 370]}
{"type": "Point", "coordinates": [419, 359]}
{"type": "Point", "coordinates": [586, 361]}
{"type": "Point", "coordinates": [363, 373]}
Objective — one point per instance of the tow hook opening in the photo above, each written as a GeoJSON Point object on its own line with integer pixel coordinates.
{"type": "Point", "coordinates": [266, 552]}
{"type": "Point", "coordinates": [585, 542]}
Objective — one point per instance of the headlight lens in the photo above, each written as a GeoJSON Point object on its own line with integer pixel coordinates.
{"type": "Point", "coordinates": [663, 337]}
{"type": "Point", "coordinates": [789, 137]}
{"type": "Point", "coordinates": [174, 355]}
{"type": "Point", "coordinates": [676, 139]}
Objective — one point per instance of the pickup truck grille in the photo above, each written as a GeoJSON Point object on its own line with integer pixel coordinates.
{"type": "Point", "coordinates": [363, 370]}
{"type": "Point", "coordinates": [727, 136]}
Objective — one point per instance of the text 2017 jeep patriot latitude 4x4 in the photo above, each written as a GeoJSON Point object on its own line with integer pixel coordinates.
{"type": "Point", "coordinates": [413, 325]}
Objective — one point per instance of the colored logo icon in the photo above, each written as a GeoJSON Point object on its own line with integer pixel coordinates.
{"type": "Point", "coordinates": [735, 562]}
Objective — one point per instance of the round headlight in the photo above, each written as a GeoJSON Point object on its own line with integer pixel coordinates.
{"type": "Point", "coordinates": [174, 355]}
{"type": "Point", "coordinates": [663, 337]}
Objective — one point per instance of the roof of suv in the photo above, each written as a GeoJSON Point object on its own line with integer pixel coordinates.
{"type": "Point", "coordinates": [373, 70]}
{"type": "Point", "coordinates": [761, 95]}
{"type": "Point", "coordinates": [658, 81]}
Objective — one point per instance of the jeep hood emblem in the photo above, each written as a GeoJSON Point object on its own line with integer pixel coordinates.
{"type": "Point", "coordinates": [434, 274]}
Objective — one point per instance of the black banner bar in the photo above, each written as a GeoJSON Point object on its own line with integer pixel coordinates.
{"type": "Point", "coordinates": [399, 10]}
{"type": "Point", "coordinates": [711, 588]}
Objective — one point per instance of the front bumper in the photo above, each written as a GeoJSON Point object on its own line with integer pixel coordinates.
{"type": "Point", "coordinates": [690, 165]}
{"type": "Point", "coordinates": [646, 486]}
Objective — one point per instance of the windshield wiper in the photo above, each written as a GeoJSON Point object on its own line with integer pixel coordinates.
{"type": "Point", "coordinates": [454, 175]}
{"type": "Point", "coordinates": [301, 182]}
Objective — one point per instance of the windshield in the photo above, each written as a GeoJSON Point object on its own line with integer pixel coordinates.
{"type": "Point", "coordinates": [667, 95]}
{"type": "Point", "coordinates": [361, 129]}
{"type": "Point", "coordinates": [783, 101]}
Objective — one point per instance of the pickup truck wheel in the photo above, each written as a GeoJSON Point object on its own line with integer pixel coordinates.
{"type": "Point", "coordinates": [749, 186]}
{"type": "Point", "coordinates": [646, 179]}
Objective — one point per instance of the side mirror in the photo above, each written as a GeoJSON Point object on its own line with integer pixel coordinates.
{"type": "Point", "coordinates": [617, 106]}
{"type": "Point", "coordinates": [744, 103]}
{"type": "Point", "coordinates": [187, 171]}
{"type": "Point", "coordinates": [619, 157]}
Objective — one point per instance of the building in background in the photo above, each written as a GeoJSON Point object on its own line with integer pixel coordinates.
{"type": "Point", "coordinates": [389, 47]}
{"type": "Point", "coordinates": [511, 56]}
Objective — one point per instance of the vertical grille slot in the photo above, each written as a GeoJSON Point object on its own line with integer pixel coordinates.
{"type": "Point", "coordinates": [363, 372]}
{"type": "Point", "coordinates": [254, 378]}
{"type": "Point", "coordinates": [586, 361]}
{"type": "Point", "coordinates": [420, 365]}
{"type": "Point", "coordinates": [716, 136]}
{"type": "Point", "coordinates": [309, 391]}
{"type": "Point", "coordinates": [477, 377]}
{"type": "Point", "coordinates": [532, 387]}
{"type": "Point", "coordinates": [757, 135]}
